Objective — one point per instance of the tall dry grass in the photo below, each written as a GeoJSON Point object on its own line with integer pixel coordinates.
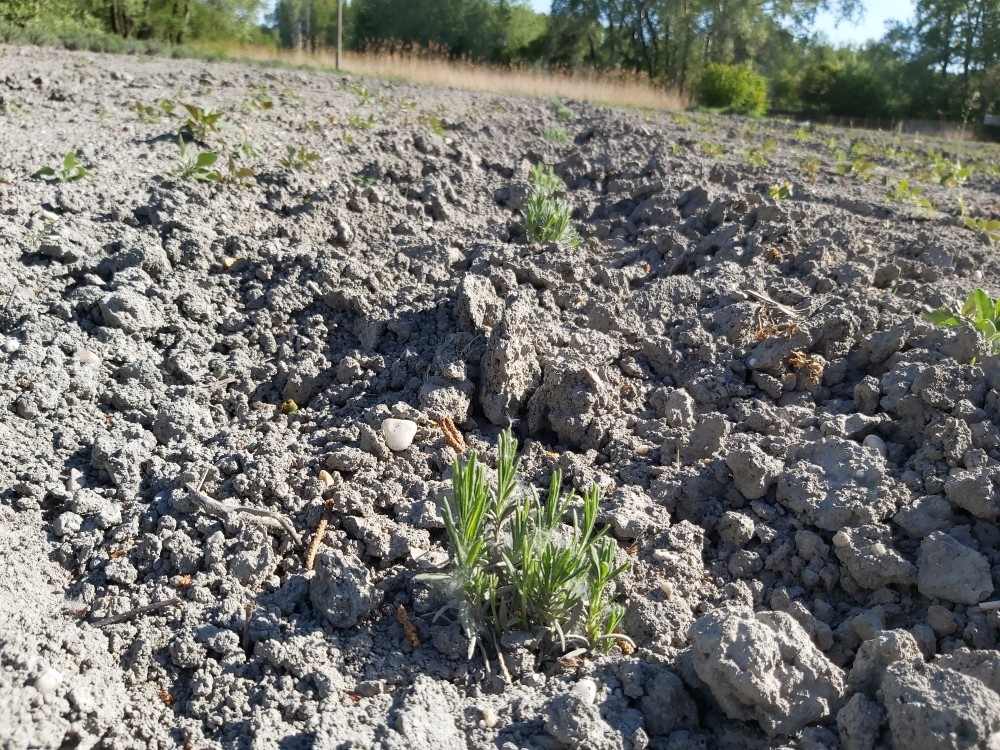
{"type": "Point", "coordinates": [437, 70]}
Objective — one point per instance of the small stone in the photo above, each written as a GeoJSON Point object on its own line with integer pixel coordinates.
{"type": "Point", "coordinates": [489, 718]}
{"type": "Point", "coordinates": [67, 524]}
{"type": "Point", "coordinates": [85, 357]}
{"type": "Point", "coordinates": [948, 570]}
{"type": "Point", "coordinates": [877, 444]}
{"type": "Point", "coordinates": [586, 691]}
{"type": "Point", "coordinates": [398, 433]}
{"type": "Point", "coordinates": [47, 682]}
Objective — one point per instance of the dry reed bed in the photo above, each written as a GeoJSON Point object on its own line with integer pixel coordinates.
{"type": "Point", "coordinates": [435, 70]}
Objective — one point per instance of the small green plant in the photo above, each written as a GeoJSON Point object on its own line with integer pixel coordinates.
{"type": "Point", "coordinates": [260, 100]}
{"type": "Point", "coordinates": [733, 87]}
{"type": "Point", "coordinates": [545, 179]}
{"type": "Point", "coordinates": [362, 180]}
{"type": "Point", "coordinates": [515, 565]}
{"type": "Point", "coordinates": [299, 158]}
{"type": "Point", "coordinates": [859, 167]}
{"type": "Point", "coordinates": [991, 227]}
{"type": "Point", "coordinates": [70, 170]}
{"type": "Point", "coordinates": [713, 149]}
{"type": "Point", "coordinates": [948, 173]}
{"type": "Point", "coordinates": [755, 158]}
{"type": "Point", "coordinates": [979, 310]}
{"type": "Point", "coordinates": [358, 122]}
{"type": "Point", "coordinates": [200, 122]}
{"type": "Point", "coordinates": [556, 135]}
{"type": "Point", "coordinates": [10, 107]}
{"type": "Point", "coordinates": [434, 123]}
{"type": "Point", "coordinates": [363, 94]}
{"type": "Point", "coordinates": [902, 191]}
{"type": "Point", "coordinates": [289, 96]}
{"type": "Point", "coordinates": [561, 111]}
{"type": "Point", "coordinates": [778, 193]}
{"type": "Point", "coordinates": [810, 165]}
{"type": "Point", "coordinates": [801, 134]}
{"type": "Point", "coordinates": [546, 217]}
{"type": "Point", "coordinates": [195, 166]}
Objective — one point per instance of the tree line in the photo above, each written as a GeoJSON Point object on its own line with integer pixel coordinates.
{"type": "Point", "coordinates": [943, 63]}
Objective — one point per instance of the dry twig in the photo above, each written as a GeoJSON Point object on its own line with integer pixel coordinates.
{"type": "Point", "coordinates": [412, 636]}
{"type": "Point", "coordinates": [133, 613]}
{"type": "Point", "coordinates": [267, 518]}
{"type": "Point", "coordinates": [317, 538]}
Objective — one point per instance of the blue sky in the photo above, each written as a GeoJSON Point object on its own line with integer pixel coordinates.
{"type": "Point", "coordinates": [872, 26]}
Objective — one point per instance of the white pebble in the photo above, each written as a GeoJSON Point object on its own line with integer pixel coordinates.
{"type": "Point", "coordinates": [11, 345]}
{"type": "Point", "coordinates": [48, 680]}
{"type": "Point", "coordinates": [667, 588]}
{"type": "Point", "coordinates": [74, 481]}
{"type": "Point", "coordinates": [840, 539]}
{"type": "Point", "coordinates": [878, 549]}
{"type": "Point", "coordinates": [489, 718]}
{"type": "Point", "coordinates": [398, 433]}
{"type": "Point", "coordinates": [85, 357]}
{"type": "Point", "coordinates": [586, 690]}
{"type": "Point", "coordinates": [876, 443]}
{"type": "Point", "coordinates": [662, 555]}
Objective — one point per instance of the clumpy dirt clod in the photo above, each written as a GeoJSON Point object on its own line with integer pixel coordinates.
{"type": "Point", "coordinates": [802, 471]}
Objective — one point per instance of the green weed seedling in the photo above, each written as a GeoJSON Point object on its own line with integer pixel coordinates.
{"type": "Point", "coordinates": [991, 227]}
{"type": "Point", "coordinates": [948, 173]}
{"type": "Point", "coordinates": [778, 193]}
{"type": "Point", "coordinates": [260, 100]}
{"type": "Point", "coordinates": [69, 171]}
{"type": "Point", "coordinates": [561, 111]}
{"type": "Point", "coordinates": [859, 167]}
{"type": "Point", "coordinates": [289, 96]}
{"type": "Point", "coordinates": [545, 179]}
{"type": "Point", "coordinates": [195, 166]}
{"type": "Point", "coordinates": [755, 158]}
{"type": "Point", "coordinates": [299, 158]}
{"type": "Point", "coordinates": [434, 123]}
{"type": "Point", "coordinates": [358, 122]}
{"type": "Point", "coordinates": [810, 165]}
{"type": "Point", "coordinates": [902, 191]}
{"type": "Point", "coordinates": [200, 122]}
{"type": "Point", "coordinates": [556, 135]}
{"type": "Point", "coordinates": [546, 217]}
{"type": "Point", "coordinates": [363, 94]}
{"type": "Point", "coordinates": [979, 310]}
{"type": "Point", "coordinates": [713, 149]}
{"type": "Point", "coordinates": [515, 565]}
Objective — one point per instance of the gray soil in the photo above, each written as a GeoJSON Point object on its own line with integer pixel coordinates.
{"type": "Point", "coordinates": [803, 472]}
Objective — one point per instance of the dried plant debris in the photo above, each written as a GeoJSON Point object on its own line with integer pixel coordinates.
{"type": "Point", "coordinates": [738, 388]}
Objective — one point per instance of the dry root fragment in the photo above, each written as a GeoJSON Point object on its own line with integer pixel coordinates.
{"type": "Point", "coordinates": [167, 698]}
{"type": "Point", "coordinates": [412, 636]}
{"type": "Point", "coordinates": [451, 434]}
{"type": "Point", "coordinates": [775, 254]}
{"type": "Point", "coordinates": [133, 613]}
{"type": "Point", "coordinates": [568, 662]}
{"type": "Point", "coordinates": [317, 538]}
{"type": "Point", "coordinates": [814, 368]}
{"type": "Point", "coordinates": [626, 646]}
